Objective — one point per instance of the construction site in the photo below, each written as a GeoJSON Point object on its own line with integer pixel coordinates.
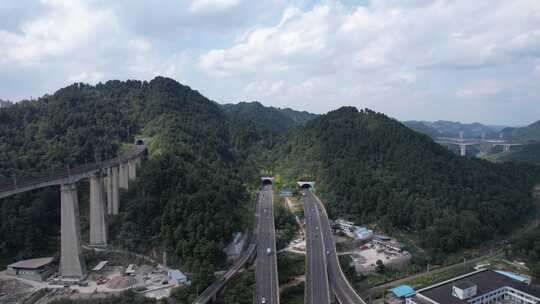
{"type": "Point", "coordinates": [20, 283]}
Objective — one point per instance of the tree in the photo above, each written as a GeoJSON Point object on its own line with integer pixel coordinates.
{"type": "Point", "coordinates": [380, 267]}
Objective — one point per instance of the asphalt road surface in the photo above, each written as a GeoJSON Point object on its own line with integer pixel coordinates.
{"type": "Point", "coordinates": [266, 277]}
{"type": "Point", "coordinates": [317, 290]}
{"type": "Point", "coordinates": [343, 290]}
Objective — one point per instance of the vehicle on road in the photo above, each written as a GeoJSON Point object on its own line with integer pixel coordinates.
{"type": "Point", "coordinates": [268, 251]}
{"type": "Point", "coordinates": [327, 252]}
{"type": "Point", "coordinates": [316, 227]}
{"type": "Point", "coordinates": [263, 300]}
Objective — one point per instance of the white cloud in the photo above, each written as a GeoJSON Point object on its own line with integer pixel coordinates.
{"type": "Point", "coordinates": [264, 88]}
{"type": "Point", "coordinates": [399, 50]}
{"type": "Point", "coordinates": [425, 59]}
{"type": "Point", "coordinates": [480, 90]}
{"type": "Point", "coordinates": [203, 6]}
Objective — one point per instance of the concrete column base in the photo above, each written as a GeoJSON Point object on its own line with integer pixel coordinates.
{"type": "Point", "coordinates": [72, 265]}
{"type": "Point", "coordinates": [98, 225]}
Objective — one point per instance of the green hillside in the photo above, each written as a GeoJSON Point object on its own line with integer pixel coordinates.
{"type": "Point", "coordinates": [528, 133]}
{"type": "Point", "coordinates": [190, 197]}
{"type": "Point", "coordinates": [528, 153]}
{"type": "Point", "coordinates": [373, 169]}
{"type": "Point", "coordinates": [275, 119]}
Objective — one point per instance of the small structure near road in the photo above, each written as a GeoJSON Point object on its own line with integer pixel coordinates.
{"type": "Point", "coordinates": [99, 267]}
{"type": "Point", "coordinates": [38, 269]}
{"type": "Point", "coordinates": [178, 277]}
{"type": "Point", "coordinates": [398, 295]}
{"type": "Point", "coordinates": [362, 234]}
{"type": "Point", "coordinates": [130, 270]}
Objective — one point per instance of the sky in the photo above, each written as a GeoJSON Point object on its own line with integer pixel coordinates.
{"type": "Point", "coordinates": [458, 60]}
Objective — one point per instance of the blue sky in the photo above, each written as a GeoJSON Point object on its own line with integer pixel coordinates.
{"type": "Point", "coordinates": [412, 59]}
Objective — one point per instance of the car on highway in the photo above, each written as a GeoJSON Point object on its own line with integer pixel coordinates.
{"type": "Point", "coordinates": [263, 300]}
{"type": "Point", "coordinates": [316, 227]}
{"type": "Point", "coordinates": [268, 251]}
{"type": "Point", "coordinates": [327, 252]}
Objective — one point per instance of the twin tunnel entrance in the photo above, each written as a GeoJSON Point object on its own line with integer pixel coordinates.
{"type": "Point", "coordinates": [304, 185]}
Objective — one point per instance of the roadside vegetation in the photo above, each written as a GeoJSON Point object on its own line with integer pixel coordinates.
{"type": "Point", "coordinates": [290, 266]}
{"type": "Point", "coordinates": [240, 290]}
{"type": "Point", "coordinates": [285, 223]}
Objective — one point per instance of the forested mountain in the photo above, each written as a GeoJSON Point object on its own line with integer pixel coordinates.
{"type": "Point", "coordinates": [190, 197]}
{"type": "Point", "coordinates": [275, 119]}
{"type": "Point", "coordinates": [4, 103]}
{"type": "Point", "coordinates": [452, 129]}
{"type": "Point", "coordinates": [528, 153]}
{"type": "Point", "coordinates": [528, 133]}
{"type": "Point", "coordinates": [373, 169]}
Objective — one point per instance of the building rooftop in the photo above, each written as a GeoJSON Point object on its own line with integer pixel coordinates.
{"type": "Point", "coordinates": [485, 281]}
{"type": "Point", "coordinates": [32, 263]}
{"type": "Point", "coordinates": [403, 291]}
{"type": "Point", "coordinates": [464, 284]}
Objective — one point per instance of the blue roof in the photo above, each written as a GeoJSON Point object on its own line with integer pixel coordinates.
{"type": "Point", "coordinates": [513, 276]}
{"type": "Point", "coordinates": [403, 291]}
{"type": "Point", "coordinates": [177, 275]}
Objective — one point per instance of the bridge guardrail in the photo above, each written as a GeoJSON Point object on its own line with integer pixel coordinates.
{"type": "Point", "coordinates": [17, 182]}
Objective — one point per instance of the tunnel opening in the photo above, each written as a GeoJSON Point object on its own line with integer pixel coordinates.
{"type": "Point", "coordinates": [267, 182]}
{"type": "Point", "coordinates": [139, 142]}
{"type": "Point", "coordinates": [305, 186]}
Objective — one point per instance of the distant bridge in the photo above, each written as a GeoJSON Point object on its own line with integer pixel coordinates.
{"type": "Point", "coordinates": [463, 143]}
{"type": "Point", "coordinates": [106, 178]}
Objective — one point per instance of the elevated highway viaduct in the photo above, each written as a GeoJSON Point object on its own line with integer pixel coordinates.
{"type": "Point", "coordinates": [106, 178]}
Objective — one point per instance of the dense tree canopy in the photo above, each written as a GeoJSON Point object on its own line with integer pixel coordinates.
{"type": "Point", "coordinates": [372, 169]}
{"type": "Point", "coordinates": [190, 196]}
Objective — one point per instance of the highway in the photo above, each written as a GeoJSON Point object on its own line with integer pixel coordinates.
{"type": "Point", "coordinates": [266, 275]}
{"type": "Point", "coordinates": [317, 290]}
{"type": "Point", "coordinates": [343, 290]}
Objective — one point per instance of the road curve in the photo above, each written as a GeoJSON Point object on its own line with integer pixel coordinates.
{"type": "Point", "coordinates": [317, 290]}
{"type": "Point", "coordinates": [343, 290]}
{"type": "Point", "coordinates": [266, 275]}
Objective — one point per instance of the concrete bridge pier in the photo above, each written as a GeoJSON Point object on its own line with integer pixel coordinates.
{"type": "Point", "coordinates": [107, 180]}
{"type": "Point", "coordinates": [132, 170]}
{"type": "Point", "coordinates": [124, 176]}
{"type": "Point", "coordinates": [115, 184]}
{"type": "Point", "coordinates": [72, 265]}
{"type": "Point", "coordinates": [98, 225]}
{"type": "Point", "coordinates": [506, 148]}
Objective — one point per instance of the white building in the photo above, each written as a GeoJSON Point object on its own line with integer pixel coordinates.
{"type": "Point", "coordinates": [480, 287]}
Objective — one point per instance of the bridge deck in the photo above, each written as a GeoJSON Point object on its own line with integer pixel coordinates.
{"type": "Point", "coordinates": [65, 176]}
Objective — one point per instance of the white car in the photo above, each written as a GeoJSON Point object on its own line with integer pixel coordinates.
{"type": "Point", "coordinates": [263, 300]}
